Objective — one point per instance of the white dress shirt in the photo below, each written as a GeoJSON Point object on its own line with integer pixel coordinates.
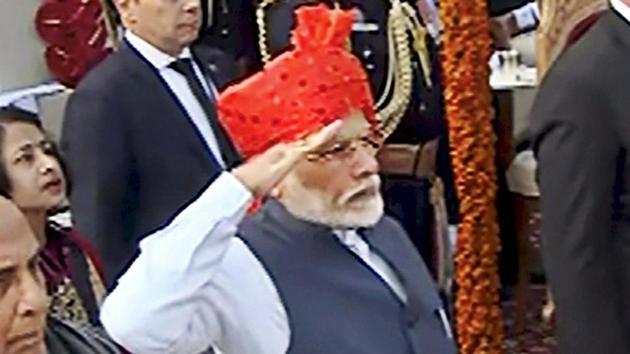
{"type": "Point", "coordinates": [621, 8]}
{"type": "Point", "coordinates": [179, 86]}
{"type": "Point", "coordinates": [354, 242]}
{"type": "Point", "coordinates": [196, 285]}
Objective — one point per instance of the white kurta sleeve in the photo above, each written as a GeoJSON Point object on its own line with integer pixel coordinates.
{"type": "Point", "coordinates": [155, 307]}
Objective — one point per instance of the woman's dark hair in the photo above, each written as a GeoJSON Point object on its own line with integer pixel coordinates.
{"type": "Point", "coordinates": [9, 115]}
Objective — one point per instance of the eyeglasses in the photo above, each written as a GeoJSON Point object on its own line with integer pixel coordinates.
{"type": "Point", "coordinates": [345, 149]}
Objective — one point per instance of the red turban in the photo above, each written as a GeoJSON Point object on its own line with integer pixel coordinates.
{"type": "Point", "coordinates": [302, 90]}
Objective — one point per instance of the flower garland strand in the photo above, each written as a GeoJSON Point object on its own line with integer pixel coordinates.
{"type": "Point", "coordinates": [465, 55]}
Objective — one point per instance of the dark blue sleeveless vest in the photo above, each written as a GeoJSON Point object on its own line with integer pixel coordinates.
{"type": "Point", "coordinates": [336, 303]}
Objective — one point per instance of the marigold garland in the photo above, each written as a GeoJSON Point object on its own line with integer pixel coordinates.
{"type": "Point", "coordinates": [465, 54]}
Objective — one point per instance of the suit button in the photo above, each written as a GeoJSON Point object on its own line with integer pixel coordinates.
{"type": "Point", "coordinates": [225, 31]}
{"type": "Point", "coordinates": [367, 53]}
{"type": "Point", "coordinates": [370, 67]}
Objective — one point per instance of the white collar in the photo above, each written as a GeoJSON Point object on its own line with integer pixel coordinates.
{"type": "Point", "coordinates": [153, 55]}
{"type": "Point", "coordinates": [621, 8]}
{"type": "Point", "coordinates": [346, 233]}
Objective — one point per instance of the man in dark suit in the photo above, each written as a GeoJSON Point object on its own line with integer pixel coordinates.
{"type": "Point", "coordinates": [581, 137]}
{"type": "Point", "coordinates": [140, 132]}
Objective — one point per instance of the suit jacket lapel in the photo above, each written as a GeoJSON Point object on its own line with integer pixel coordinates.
{"type": "Point", "coordinates": [621, 26]}
{"type": "Point", "coordinates": [228, 150]}
{"type": "Point", "coordinates": [146, 72]}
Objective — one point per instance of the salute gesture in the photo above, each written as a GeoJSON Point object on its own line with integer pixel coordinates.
{"type": "Point", "coordinates": [263, 172]}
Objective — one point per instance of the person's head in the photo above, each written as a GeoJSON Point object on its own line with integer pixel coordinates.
{"type": "Point", "coordinates": [23, 303]}
{"type": "Point", "coordinates": [169, 25]}
{"type": "Point", "coordinates": [31, 170]}
{"type": "Point", "coordinates": [339, 185]}
{"type": "Point", "coordinates": [300, 91]}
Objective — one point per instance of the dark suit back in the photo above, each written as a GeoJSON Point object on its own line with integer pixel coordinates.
{"type": "Point", "coordinates": [581, 129]}
{"type": "Point", "coordinates": [134, 155]}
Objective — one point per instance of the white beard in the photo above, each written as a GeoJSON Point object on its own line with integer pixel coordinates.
{"type": "Point", "coordinates": [318, 207]}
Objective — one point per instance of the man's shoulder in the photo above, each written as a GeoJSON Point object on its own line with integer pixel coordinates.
{"type": "Point", "coordinates": [255, 224]}
{"type": "Point", "coordinates": [593, 58]}
{"type": "Point", "coordinates": [581, 82]}
{"type": "Point", "coordinates": [112, 73]}
{"type": "Point", "coordinates": [109, 89]}
{"type": "Point", "coordinates": [389, 224]}
{"type": "Point", "coordinates": [67, 338]}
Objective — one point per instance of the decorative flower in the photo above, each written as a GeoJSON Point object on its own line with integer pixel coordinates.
{"type": "Point", "coordinates": [465, 55]}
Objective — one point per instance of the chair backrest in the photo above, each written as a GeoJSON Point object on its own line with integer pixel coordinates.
{"type": "Point", "coordinates": [562, 23]}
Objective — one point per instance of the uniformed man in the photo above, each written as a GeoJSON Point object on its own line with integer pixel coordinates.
{"type": "Point", "coordinates": [227, 37]}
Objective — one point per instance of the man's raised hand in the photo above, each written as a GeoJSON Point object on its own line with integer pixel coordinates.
{"type": "Point", "coordinates": [263, 172]}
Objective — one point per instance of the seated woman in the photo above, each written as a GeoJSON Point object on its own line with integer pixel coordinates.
{"type": "Point", "coordinates": [33, 177]}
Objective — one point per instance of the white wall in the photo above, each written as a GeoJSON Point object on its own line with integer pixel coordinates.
{"type": "Point", "coordinates": [21, 51]}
